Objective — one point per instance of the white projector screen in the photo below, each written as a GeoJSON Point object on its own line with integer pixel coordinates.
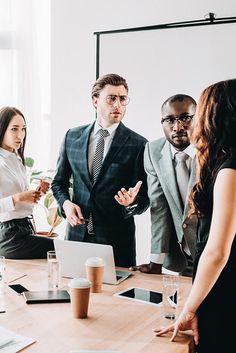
{"type": "Point", "coordinates": [160, 63]}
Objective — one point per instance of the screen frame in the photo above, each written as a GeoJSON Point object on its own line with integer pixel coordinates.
{"type": "Point", "coordinates": [206, 21]}
{"type": "Point", "coordinates": [120, 294]}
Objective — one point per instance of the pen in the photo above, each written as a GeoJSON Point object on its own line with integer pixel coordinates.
{"type": "Point", "coordinates": [15, 279]}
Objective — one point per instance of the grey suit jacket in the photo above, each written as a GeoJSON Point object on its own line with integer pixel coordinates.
{"type": "Point", "coordinates": [169, 222]}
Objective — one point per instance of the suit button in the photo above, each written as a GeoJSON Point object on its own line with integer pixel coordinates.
{"type": "Point", "coordinates": [185, 225]}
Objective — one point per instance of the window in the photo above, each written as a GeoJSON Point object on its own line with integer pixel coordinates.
{"type": "Point", "coordinates": [25, 76]}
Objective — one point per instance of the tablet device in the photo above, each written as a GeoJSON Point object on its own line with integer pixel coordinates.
{"type": "Point", "coordinates": [51, 296]}
{"type": "Point", "coordinates": [141, 295]}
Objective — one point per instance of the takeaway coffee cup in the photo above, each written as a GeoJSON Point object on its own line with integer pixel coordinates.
{"type": "Point", "coordinates": [79, 297]}
{"type": "Point", "coordinates": [94, 270]}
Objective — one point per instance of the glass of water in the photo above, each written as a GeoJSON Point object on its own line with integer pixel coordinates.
{"type": "Point", "coordinates": [170, 295]}
{"type": "Point", "coordinates": [54, 270]}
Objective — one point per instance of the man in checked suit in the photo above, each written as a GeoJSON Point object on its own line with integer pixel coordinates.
{"type": "Point", "coordinates": [173, 232]}
{"type": "Point", "coordinates": [105, 198]}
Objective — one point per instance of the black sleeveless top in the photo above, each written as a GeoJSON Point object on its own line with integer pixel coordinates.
{"type": "Point", "coordinates": [204, 223]}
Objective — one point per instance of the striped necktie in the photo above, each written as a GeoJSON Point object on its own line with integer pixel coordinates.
{"type": "Point", "coordinates": [98, 156]}
{"type": "Point", "coordinates": [96, 167]}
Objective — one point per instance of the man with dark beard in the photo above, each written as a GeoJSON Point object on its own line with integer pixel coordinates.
{"type": "Point", "coordinates": [170, 166]}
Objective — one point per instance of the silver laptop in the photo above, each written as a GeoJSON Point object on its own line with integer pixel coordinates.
{"type": "Point", "coordinates": [73, 255]}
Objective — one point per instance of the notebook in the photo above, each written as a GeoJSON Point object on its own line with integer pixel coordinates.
{"type": "Point", "coordinates": [73, 255]}
{"type": "Point", "coordinates": [11, 341]}
{"type": "Point", "coordinates": [51, 296]}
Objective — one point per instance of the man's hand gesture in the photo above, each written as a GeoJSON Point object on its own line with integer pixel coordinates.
{"type": "Point", "coordinates": [127, 197]}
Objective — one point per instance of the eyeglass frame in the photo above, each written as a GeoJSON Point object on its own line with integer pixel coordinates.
{"type": "Point", "coordinates": [116, 97]}
{"type": "Point", "coordinates": [183, 123]}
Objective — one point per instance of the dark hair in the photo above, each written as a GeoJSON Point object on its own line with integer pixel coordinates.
{"type": "Point", "coordinates": [6, 115]}
{"type": "Point", "coordinates": [179, 98]}
{"type": "Point", "coordinates": [109, 79]}
{"type": "Point", "coordinates": [213, 136]}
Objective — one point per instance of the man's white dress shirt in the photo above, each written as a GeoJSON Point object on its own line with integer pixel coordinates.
{"type": "Point", "coordinates": [94, 136]}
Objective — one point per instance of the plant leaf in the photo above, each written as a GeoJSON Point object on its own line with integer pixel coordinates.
{"type": "Point", "coordinates": [35, 173]}
{"type": "Point", "coordinates": [53, 218]}
{"type": "Point", "coordinates": [57, 221]}
{"type": "Point", "coordinates": [49, 198]}
{"type": "Point", "coordinates": [59, 212]}
{"type": "Point", "coordinates": [29, 162]}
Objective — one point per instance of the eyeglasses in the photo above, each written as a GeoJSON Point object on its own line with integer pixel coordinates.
{"type": "Point", "coordinates": [111, 99]}
{"type": "Point", "coordinates": [184, 120]}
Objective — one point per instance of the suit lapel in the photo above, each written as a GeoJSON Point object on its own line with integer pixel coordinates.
{"type": "Point", "coordinates": [192, 181]}
{"type": "Point", "coordinates": [192, 178]}
{"type": "Point", "coordinates": [166, 168]}
{"type": "Point", "coordinates": [82, 145]}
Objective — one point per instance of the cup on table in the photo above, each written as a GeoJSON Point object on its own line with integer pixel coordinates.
{"type": "Point", "coordinates": [170, 295]}
{"type": "Point", "coordinates": [2, 272]}
{"type": "Point", "coordinates": [79, 297]}
{"type": "Point", "coordinates": [54, 270]}
{"type": "Point", "coordinates": [95, 270]}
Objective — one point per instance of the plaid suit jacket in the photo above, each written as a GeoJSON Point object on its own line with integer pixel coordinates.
{"type": "Point", "coordinates": [122, 167]}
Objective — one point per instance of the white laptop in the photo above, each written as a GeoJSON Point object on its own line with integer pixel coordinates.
{"type": "Point", "coordinates": [73, 255]}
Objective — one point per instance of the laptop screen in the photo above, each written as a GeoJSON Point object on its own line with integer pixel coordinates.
{"type": "Point", "coordinates": [73, 255]}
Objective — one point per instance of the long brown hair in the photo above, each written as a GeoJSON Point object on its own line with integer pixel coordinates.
{"type": "Point", "coordinates": [214, 137]}
{"type": "Point", "coordinates": [6, 115]}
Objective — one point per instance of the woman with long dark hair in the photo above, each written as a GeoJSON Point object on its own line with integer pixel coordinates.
{"type": "Point", "coordinates": [210, 309]}
{"type": "Point", "coordinates": [17, 236]}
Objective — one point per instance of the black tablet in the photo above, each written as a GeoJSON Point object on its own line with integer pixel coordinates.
{"type": "Point", "coordinates": [51, 296]}
{"type": "Point", "coordinates": [141, 295]}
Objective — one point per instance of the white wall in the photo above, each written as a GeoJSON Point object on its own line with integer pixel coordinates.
{"type": "Point", "coordinates": [73, 59]}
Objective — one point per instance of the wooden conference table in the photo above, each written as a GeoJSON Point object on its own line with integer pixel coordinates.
{"type": "Point", "coordinates": [113, 323]}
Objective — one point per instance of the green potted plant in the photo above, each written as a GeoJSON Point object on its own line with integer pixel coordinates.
{"type": "Point", "coordinates": [52, 212]}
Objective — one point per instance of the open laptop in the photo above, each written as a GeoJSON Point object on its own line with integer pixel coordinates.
{"type": "Point", "coordinates": [73, 255]}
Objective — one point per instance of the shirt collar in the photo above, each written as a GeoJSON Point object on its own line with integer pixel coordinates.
{"type": "Point", "coordinates": [111, 129]}
{"type": "Point", "coordinates": [190, 151]}
{"type": "Point", "coordinates": [5, 153]}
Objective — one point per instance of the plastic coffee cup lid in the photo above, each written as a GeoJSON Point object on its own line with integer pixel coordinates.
{"type": "Point", "coordinates": [94, 262]}
{"type": "Point", "coordinates": [79, 283]}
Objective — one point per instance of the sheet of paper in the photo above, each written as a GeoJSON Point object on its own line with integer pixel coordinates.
{"type": "Point", "coordinates": [11, 342]}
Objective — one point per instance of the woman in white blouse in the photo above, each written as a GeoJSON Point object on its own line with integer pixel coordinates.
{"type": "Point", "coordinates": [17, 236]}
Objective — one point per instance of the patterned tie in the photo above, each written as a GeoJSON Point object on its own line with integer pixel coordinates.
{"type": "Point", "coordinates": [182, 174]}
{"type": "Point", "coordinates": [96, 167]}
{"type": "Point", "coordinates": [98, 156]}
